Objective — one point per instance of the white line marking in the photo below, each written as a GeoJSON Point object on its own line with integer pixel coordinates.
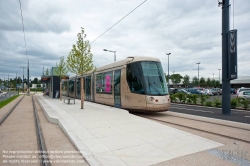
{"type": "Point", "coordinates": [247, 116]}
{"type": "Point", "coordinates": [192, 109]}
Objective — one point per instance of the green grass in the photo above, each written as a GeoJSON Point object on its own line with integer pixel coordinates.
{"type": "Point", "coordinates": [5, 102]}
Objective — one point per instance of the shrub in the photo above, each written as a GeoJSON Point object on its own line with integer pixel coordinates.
{"type": "Point", "coordinates": [245, 104]}
{"type": "Point", "coordinates": [217, 102]}
{"type": "Point", "coordinates": [181, 96]}
{"type": "Point", "coordinates": [173, 97]}
{"type": "Point", "coordinates": [208, 103]}
{"type": "Point", "coordinates": [203, 99]}
{"type": "Point", "coordinates": [194, 98]}
{"type": "Point", "coordinates": [234, 103]}
{"type": "Point", "coordinates": [189, 98]}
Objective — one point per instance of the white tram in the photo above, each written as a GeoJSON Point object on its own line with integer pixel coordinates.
{"type": "Point", "coordinates": [136, 83]}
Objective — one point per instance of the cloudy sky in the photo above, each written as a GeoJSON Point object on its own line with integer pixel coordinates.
{"type": "Point", "coordinates": [190, 30]}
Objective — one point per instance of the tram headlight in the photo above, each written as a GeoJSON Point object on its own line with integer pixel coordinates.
{"type": "Point", "coordinates": [151, 98]}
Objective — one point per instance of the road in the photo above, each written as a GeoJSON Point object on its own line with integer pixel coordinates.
{"type": "Point", "coordinates": [6, 95]}
{"type": "Point", "coordinates": [212, 112]}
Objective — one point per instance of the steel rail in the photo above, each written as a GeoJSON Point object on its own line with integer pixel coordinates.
{"type": "Point", "coordinates": [238, 139]}
{"type": "Point", "coordinates": [211, 122]}
{"type": "Point", "coordinates": [8, 113]}
{"type": "Point", "coordinates": [40, 140]}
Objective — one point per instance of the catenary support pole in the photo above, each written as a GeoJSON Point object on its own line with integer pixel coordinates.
{"type": "Point", "coordinates": [226, 96]}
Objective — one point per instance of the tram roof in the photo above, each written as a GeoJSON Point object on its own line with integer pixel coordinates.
{"type": "Point", "coordinates": [128, 60]}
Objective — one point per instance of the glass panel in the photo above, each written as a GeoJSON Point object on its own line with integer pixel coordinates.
{"type": "Point", "coordinates": [134, 78]}
{"type": "Point", "coordinates": [104, 82]}
{"type": "Point", "coordinates": [87, 87]}
{"type": "Point", "coordinates": [78, 86]}
{"type": "Point", "coordinates": [154, 78]}
{"type": "Point", "coordinates": [99, 83]}
{"type": "Point", "coordinates": [71, 85]}
{"type": "Point", "coordinates": [117, 95]}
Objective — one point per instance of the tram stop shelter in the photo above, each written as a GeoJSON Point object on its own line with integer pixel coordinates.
{"type": "Point", "coordinates": [52, 84]}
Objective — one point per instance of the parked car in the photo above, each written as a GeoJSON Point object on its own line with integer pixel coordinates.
{"type": "Point", "coordinates": [217, 91]}
{"type": "Point", "coordinates": [244, 95]}
{"type": "Point", "coordinates": [173, 90]}
{"type": "Point", "coordinates": [242, 89]}
{"type": "Point", "coordinates": [183, 91]}
{"type": "Point", "coordinates": [194, 91]}
{"type": "Point", "coordinates": [208, 92]}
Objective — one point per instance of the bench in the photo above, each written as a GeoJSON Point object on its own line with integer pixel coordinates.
{"type": "Point", "coordinates": [68, 98]}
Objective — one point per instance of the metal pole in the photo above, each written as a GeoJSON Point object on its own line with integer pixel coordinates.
{"type": "Point", "coordinates": [168, 66]}
{"type": "Point", "coordinates": [168, 70]}
{"type": "Point", "coordinates": [28, 89]}
{"type": "Point", "coordinates": [115, 55]}
{"type": "Point", "coordinates": [219, 77]}
{"type": "Point", "coordinates": [198, 74]}
{"type": "Point", "coordinates": [16, 81]}
{"type": "Point", "coordinates": [226, 96]}
{"type": "Point", "coordinates": [23, 79]}
{"type": "Point", "coordinates": [8, 82]}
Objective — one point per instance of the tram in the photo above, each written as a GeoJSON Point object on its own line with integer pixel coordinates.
{"type": "Point", "coordinates": [136, 83]}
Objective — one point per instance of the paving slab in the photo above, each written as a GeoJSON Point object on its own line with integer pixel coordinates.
{"type": "Point", "coordinates": [110, 136]}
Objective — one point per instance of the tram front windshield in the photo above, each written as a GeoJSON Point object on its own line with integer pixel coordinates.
{"type": "Point", "coordinates": [147, 78]}
{"type": "Point", "coordinates": [155, 82]}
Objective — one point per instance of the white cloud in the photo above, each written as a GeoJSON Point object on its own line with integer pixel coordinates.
{"type": "Point", "coordinates": [190, 30]}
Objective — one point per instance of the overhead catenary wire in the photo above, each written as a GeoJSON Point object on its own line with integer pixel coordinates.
{"type": "Point", "coordinates": [23, 29]}
{"type": "Point", "coordinates": [118, 21]}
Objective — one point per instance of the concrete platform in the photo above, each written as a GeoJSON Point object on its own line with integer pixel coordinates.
{"type": "Point", "coordinates": [110, 136]}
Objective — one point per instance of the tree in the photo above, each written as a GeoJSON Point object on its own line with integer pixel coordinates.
{"type": "Point", "coordinates": [217, 83]}
{"type": "Point", "coordinates": [186, 80]}
{"type": "Point", "coordinates": [209, 83]}
{"type": "Point", "coordinates": [35, 81]}
{"type": "Point", "coordinates": [47, 72]}
{"type": "Point", "coordinates": [61, 71]}
{"type": "Point", "coordinates": [80, 60]}
{"type": "Point", "coordinates": [195, 81]}
{"type": "Point", "coordinates": [176, 79]}
{"type": "Point", "coordinates": [167, 77]}
{"type": "Point", "coordinates": [213, 83]}
{"type": "Point", "coordinates": [202, 82]}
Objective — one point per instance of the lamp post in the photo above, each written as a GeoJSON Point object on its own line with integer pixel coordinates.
{"type": "Point", "coordinates": [198, 74]}
{"type": "Point", "coordinates": [111, 51]}
{"type": "Point", "coordinates": [23, 78]}
{"type": "Point", "coordinates": [168, 66]}
{"type": "Point", "coordinates": [219, 77]}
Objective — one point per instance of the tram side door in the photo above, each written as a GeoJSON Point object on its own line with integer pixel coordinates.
{"type": "Point", "coordinates": [87, 88]}
{"type": "Point", "coordinates": [117, 88]}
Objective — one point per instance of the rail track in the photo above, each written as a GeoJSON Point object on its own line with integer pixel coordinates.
{"type": "Point", "coordinates": [198, 129]}
{"type": "Point", "coordinates": [39, 135]}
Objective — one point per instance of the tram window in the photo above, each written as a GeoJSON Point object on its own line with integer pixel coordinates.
{"type": "Point", "coordinates": [64, 86]}
{"type": "Point", "coordinates": [71, 85]}
{"type": "Point", "coordinates": [99, 83]}
{"type": "Point", "coordinates": [134, 78]}
{"type": "Point", "coordinates": [104, 82]}
{"type": "Point", "coordinates": [155, 82]}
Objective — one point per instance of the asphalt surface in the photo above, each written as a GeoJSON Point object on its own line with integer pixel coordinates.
{"type": "Point", "coordinates": [6, 95]}
{"type": "Point", "coordinates": [212, 112]}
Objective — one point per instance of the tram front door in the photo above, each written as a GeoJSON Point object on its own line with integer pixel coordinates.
{"type": "Point", "coordinates": [117, 87]}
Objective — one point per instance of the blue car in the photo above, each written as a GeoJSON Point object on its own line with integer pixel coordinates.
{"type": "Point", "coordinates": [194, 91]}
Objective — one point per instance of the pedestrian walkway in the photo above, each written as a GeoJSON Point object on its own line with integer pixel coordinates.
{"type": "Point", "coordinates": [110, 136]}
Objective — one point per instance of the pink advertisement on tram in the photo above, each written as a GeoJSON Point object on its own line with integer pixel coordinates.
{"type": "Point", "coordinates": [108, 87]}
